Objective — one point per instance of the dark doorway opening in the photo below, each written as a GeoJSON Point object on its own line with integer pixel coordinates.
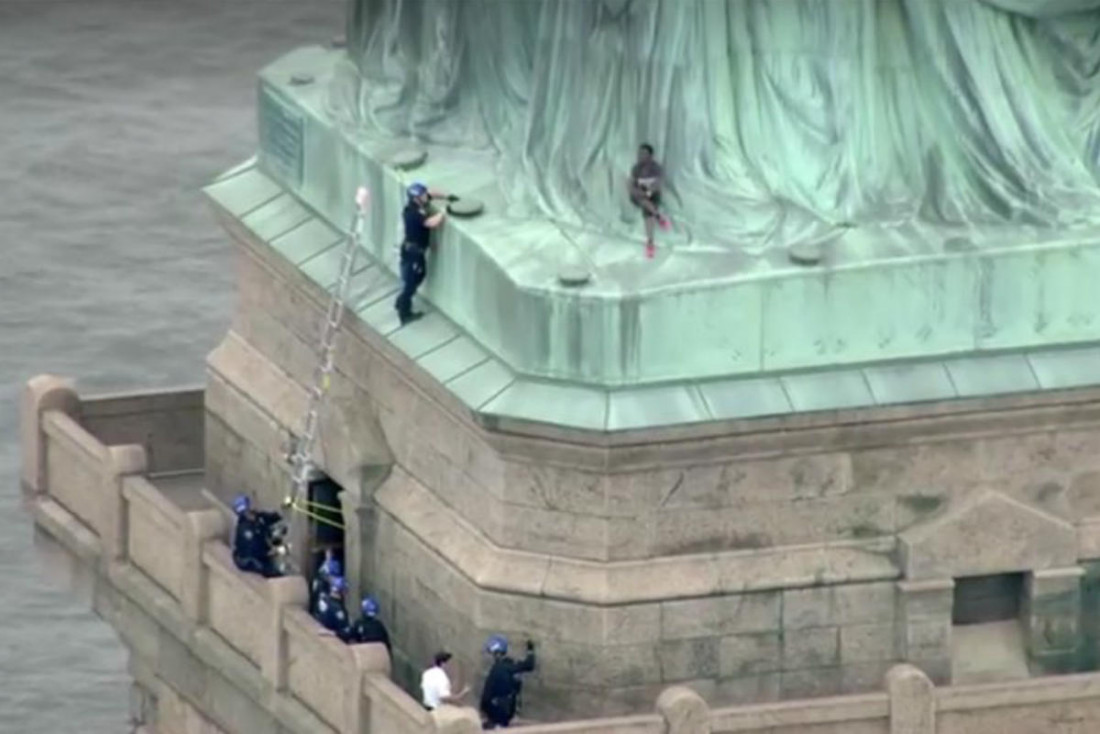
{"type": "Point", "coordinates": [982, 599]}
{"type": "Point", "coordinates": [326, 523]}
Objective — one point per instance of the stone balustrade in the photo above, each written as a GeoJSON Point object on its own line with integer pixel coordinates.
{"type": "Point", "coordinates": [153, 524]}
{"type": "Point", "coordinates": [176, 564]}
{"type": "Point", "coordinates": [232, 652]}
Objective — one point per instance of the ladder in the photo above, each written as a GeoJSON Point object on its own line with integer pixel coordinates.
{"type": "Point", "coordinates": [302, 457]}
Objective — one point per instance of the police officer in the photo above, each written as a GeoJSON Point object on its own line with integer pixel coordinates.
{"type": "Point", "coordinates": [329, 569]}
{"type": "Point", "coordinates": [500, 696]}
{"type": "Point", "coordinates": [369, 628]}
{"type": "Point", "coordinates": [330, 609]}
{"type": "Point", "coordinates": [419, 223]}
{"type": "Point", "coordinates": [251, 541]}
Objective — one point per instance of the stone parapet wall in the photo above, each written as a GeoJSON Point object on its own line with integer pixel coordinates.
{"type": "Point", "coordinates": [74, 460]}
{"type": "Point", "coordinates": [217, 651]}
{"type": "Point", "coordinates": [237, 651]}
{"type": "Point", "coordinates": [167, 424]}
{"type": "Point", "coordinates": [152, 525]}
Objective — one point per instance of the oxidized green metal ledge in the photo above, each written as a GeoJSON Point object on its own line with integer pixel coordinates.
{"type": "Point", "coordinates": [490, 387]}
{"type": "Point", "coordinates": [695, 312]}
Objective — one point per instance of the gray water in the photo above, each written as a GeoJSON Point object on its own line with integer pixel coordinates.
{"type": "Point", "coordinates": [113, 115]}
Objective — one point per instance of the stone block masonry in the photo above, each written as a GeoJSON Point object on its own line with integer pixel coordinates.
{"type": "Point", "coordinates": [752, 561]}
{"type": "Point", "coordinates": [201, 663]}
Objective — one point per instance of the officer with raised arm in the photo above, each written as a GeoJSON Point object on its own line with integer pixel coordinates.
{"type": "Point", "coordinates": [420, 220]}
{"type": "Point", "coordinates": [500, 696]}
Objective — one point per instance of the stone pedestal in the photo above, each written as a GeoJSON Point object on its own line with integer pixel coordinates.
{"type": "Point", "coordinates": [1051, 619]}
{"type": "Point", "coordinates": [750, 561]}
{"type": "Point", "coordinates": [924, 626]}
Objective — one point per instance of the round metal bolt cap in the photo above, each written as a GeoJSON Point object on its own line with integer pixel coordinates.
{"type": "Point", "coordinates": [574, 276]}
{"type": "Point", "coordinates": [465, 207]}
{"type": "Point", "coordinates": [408, 159]}
{"type": "Point", "coordinates": [958, 244]}
{"type": "Point", "coordinates": [806, 253]}
{"type": "Point", "coordinates": [299, 80]}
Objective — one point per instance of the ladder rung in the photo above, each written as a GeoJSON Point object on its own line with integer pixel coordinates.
{"type": "Point", "coordinates": [302, 457]}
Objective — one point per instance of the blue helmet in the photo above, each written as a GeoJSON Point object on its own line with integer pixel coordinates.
{"type": "Point", "coordinates": [496, 644]}
{"type": "Point", "coordinates": [369, 606]}
{"type": "Point", "coordinates": [331, 568]}
{"type": "Point", "coordinates": [417, 190]}
{"type": "Point", "coordinates": [241, 504]}
{"type": "Point", "coordinates": [338, 585]}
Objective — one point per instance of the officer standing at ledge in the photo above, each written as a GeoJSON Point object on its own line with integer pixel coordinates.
{"type": "Point", "coordinates": [419, 223]}
{"type": "Point", "coordinates": [329, 569]}
{"type": "Point", "coordinates": [369, 628]}
{"type": "Point", "coordinates": [500, 696]}
{"type": "Point", "coordinates": [331, 612]}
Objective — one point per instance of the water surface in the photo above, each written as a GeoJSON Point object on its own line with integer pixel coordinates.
{"type": "Point", "coordinates": [113, 115]}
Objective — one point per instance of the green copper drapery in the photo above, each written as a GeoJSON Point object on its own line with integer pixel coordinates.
{"type": "Point", "coordinates": [777, 122]}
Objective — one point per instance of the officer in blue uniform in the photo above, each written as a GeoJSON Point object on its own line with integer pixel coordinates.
{"type": "Point", "coordinates": [419, 223]}
{"type": "Point", "coordinates": [322, 581]}
{"type": "Point", "coordinates": [500, 696]}
{"type": "Point", "coordinates": [330, 609]}
{"type": "Point", "coordinates": [252, 549]}
{"type": "Point", "coordinates": [369, 628]}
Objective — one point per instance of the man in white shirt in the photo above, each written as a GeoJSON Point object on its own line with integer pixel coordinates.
{"type": "Point", "coordinates": [435, 684]}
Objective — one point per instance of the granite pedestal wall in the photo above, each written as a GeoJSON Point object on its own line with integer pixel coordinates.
{"type": "Point", "coordinates": [751, 561]}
